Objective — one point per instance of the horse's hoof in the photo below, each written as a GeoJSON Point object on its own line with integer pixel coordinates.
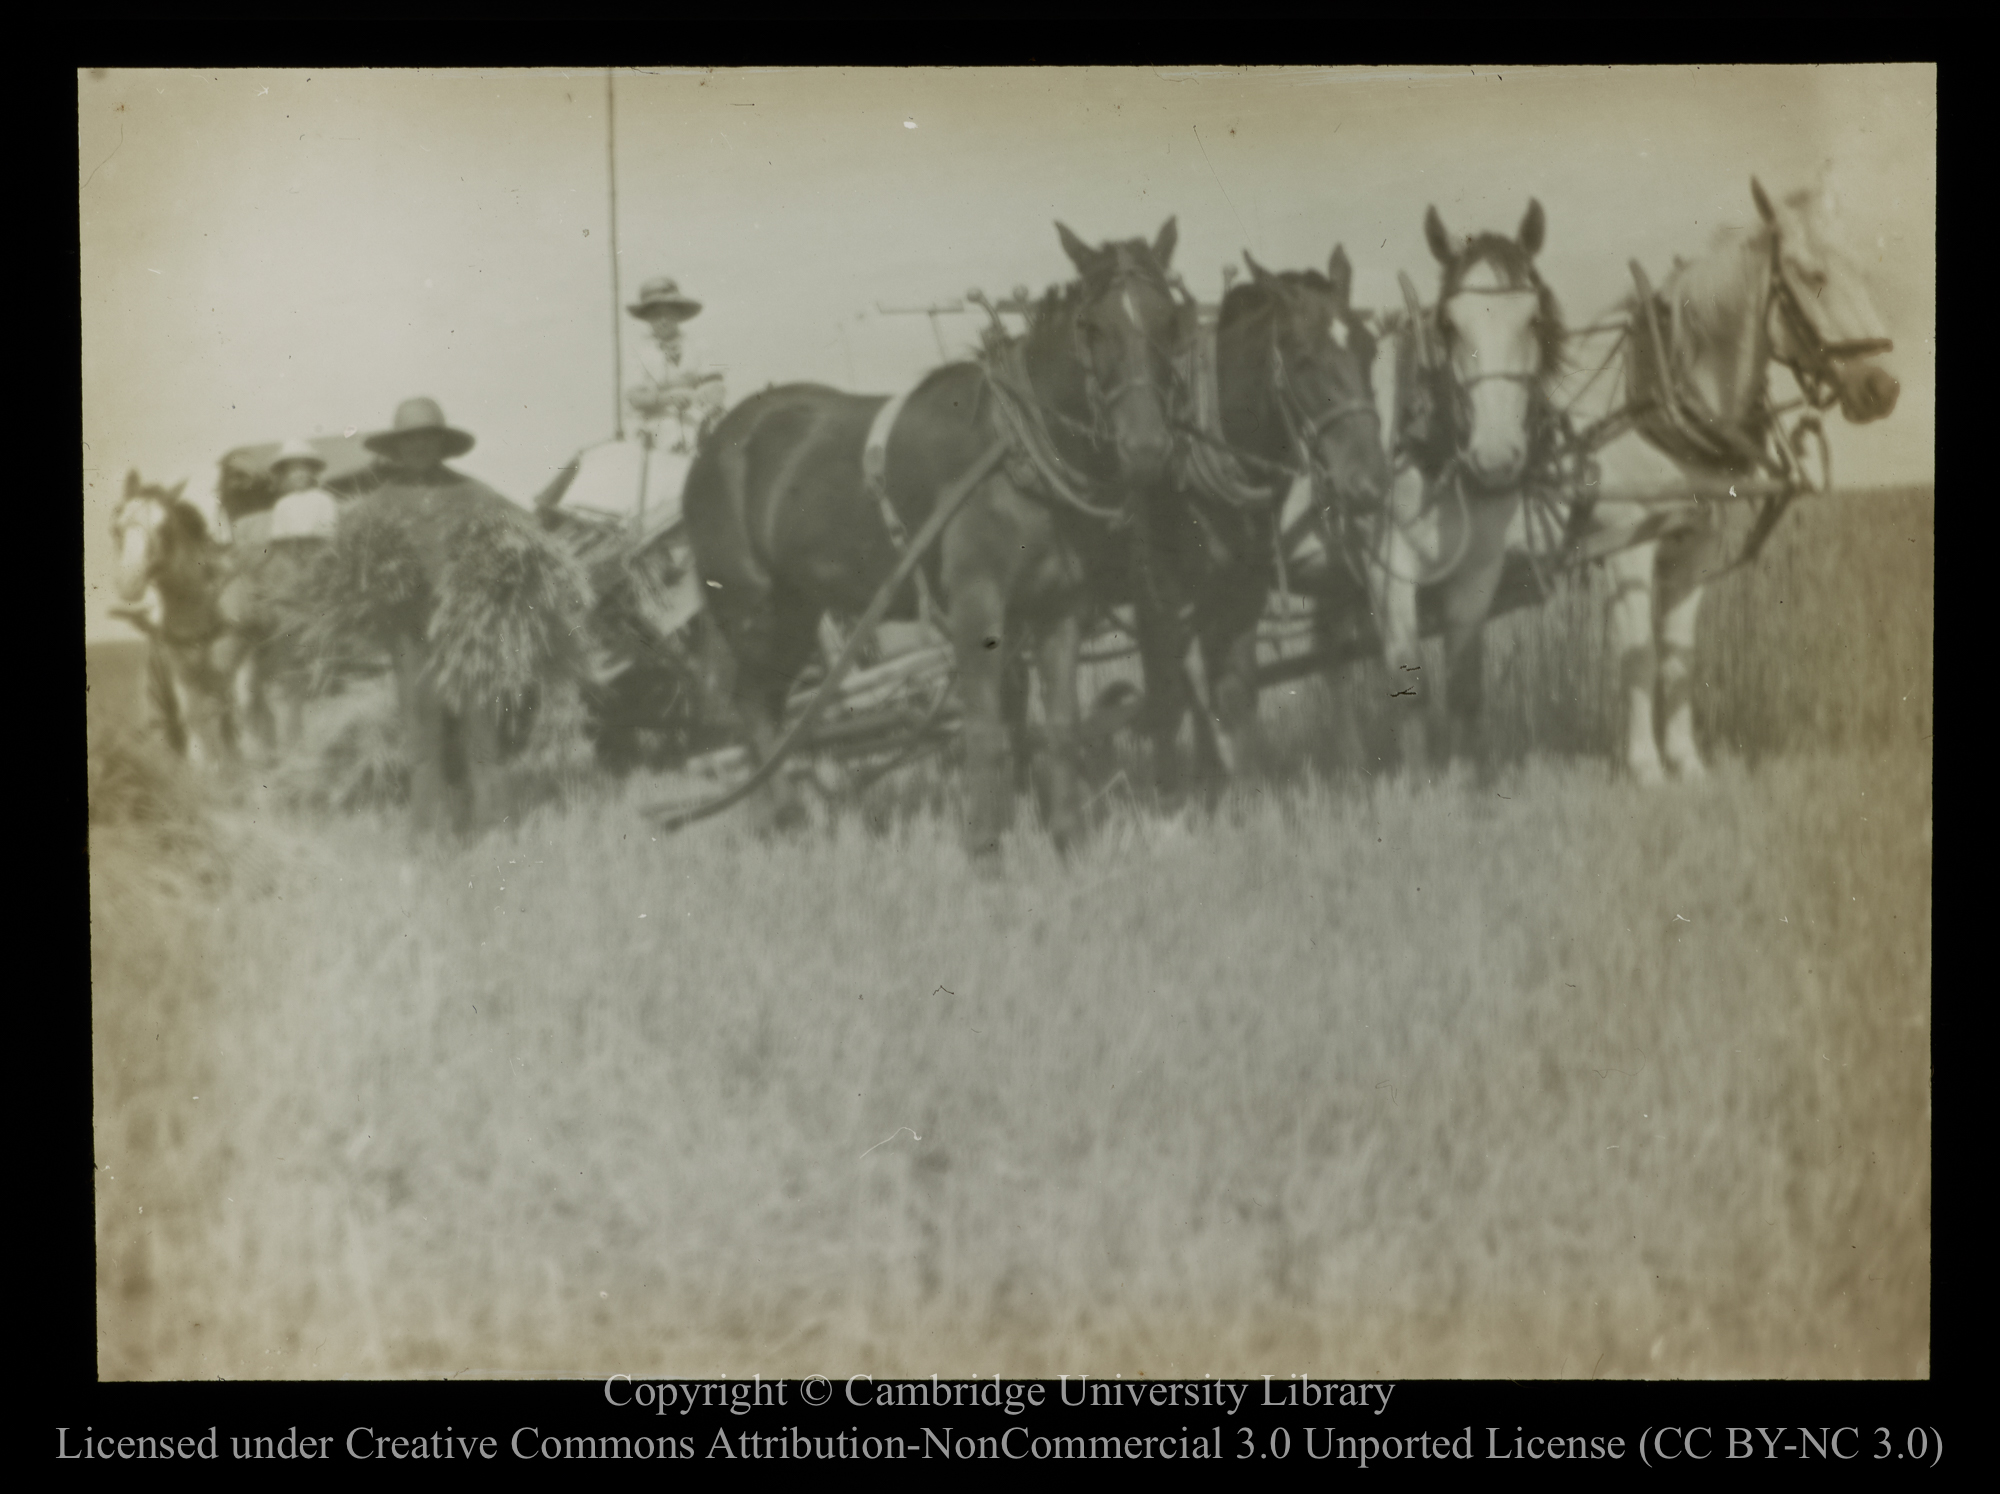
{"type": "Point", "coordinates": [1690, 770]}
{"type": "Point", "coordinates": [1648, 775]}
{"type": "Point", "coordinates": [1065, 838]}
{"type": "Point", "coordinates": [985, 861]}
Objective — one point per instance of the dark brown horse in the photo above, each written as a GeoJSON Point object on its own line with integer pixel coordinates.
{"type": "Point", "coordinates": [1290, 391]}
{"type": "Point", "coordinates": [785, 526]}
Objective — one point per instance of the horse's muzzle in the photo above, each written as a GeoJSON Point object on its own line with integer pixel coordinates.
{"type": "Point", "coordinates": [133, 568]}
{"type": "Point", "coordinates": [1868, 392]}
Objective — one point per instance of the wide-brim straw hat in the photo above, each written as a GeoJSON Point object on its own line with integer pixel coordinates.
{"type": "Point", "coordinates": [416, 417]}
{"type": "Point", "coordinates": [297, 451]}
{"type": "Point", "coordinates": [663, 294]}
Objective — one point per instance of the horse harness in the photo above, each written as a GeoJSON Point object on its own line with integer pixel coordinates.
{"type": "Point", "coordinates": [1817, 371]}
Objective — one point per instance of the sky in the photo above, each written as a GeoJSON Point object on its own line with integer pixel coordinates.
{"type": "Point", "coordinates": [274, 253]}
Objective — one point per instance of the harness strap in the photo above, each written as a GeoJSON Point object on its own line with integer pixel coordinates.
{"type": "Point", "coordinates": [1697, 428]}
{"type": "Point", "coordinates": [1028, 438]}
{"type": "Point", "coordinates": [1212, 466]}
{"type": "Point", "coordinates": [875, 473]}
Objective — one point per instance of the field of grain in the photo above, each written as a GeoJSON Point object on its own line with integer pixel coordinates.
{"type": "Point", "coordinates": [1359, 1075]}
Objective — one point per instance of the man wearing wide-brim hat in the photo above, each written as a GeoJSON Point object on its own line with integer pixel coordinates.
{"type": "Point", "coordinates": [472, 603]}
{"type": "Point", "coordinates": [671, 389]}
{"type": "Point", "coordinates": [427, 498]}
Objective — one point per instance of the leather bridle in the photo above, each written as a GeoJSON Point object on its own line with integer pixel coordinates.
{"type": "Point", "coordinates": [1541, 408]}
{"type": "Point", "coordinates": [1815, 363]}
{"type": "Point", "coordinates": [1103, 401]}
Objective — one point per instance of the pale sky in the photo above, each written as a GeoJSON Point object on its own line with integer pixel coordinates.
{"type": "Point", "coordinates": [273, 253]}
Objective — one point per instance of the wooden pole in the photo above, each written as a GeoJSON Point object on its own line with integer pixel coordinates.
{"type": "Point", "coordinates": [617, 310]}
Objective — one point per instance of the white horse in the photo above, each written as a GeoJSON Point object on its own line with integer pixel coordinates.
{"type": "Point", "coordinates": [1780, 291]}
{"type": "Point", "coordinates": [165, 551]}
{"type": "Point", "coordinates": [1472, 418]}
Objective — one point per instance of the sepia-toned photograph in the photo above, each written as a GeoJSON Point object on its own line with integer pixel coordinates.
{"type": "Point", "coordinates": [1166, 722]}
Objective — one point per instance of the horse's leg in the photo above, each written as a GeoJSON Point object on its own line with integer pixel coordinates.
{"type": "Point", "coordinates": [292, 707]}
{"type": "Point", "coordinates": [1684, 565]}
{"type": "Point", "coordinates": [1163, 646]}
{"type": "Point", "coordinates": [1014, 712]}
{"type": "Point", "coordinates": [773, 643]}
{"type": "Point", "coordinates": [208, 704]}
{"type": "Point", "coordinates": [1229, 658]}
{"type": "Point", "coordinates": [1468, 601]}
{"type": "Point", "coordinates": [979, 637]}
{"type": "Point", "coordinates": [164, 715]}
{"type": "Point", "coordinates": [1629, 628]}
{"type": "Point", "coordinates": [767, 646]}
{"type": "Point", "coordinates": [1392, 580]}
{"type": "Point", "coordinates": [1056, 651]}
{"type": "Point", "coordinates": [423, 735]}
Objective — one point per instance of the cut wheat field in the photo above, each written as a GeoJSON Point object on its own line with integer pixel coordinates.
{"type": "Point", "coordinates": [1360, 1075]}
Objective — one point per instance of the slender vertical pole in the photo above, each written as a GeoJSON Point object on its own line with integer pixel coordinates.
{"type": "Point", "coordinates": [617, 311]}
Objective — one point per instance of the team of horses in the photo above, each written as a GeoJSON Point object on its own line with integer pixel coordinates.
{"type": "Point", "coordinates": [1119, 453]}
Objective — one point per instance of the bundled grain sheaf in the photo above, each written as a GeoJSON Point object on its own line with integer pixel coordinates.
{"type": "Point", "coordinates": [499, 607]}
{"type": "Point", "coordinates": [371, 585]}
{"type": "Point", "coordinates": [509, 608]}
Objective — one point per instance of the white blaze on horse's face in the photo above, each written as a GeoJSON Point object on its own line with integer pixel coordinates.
{"type": "Point", "coordinates": [137, 524]}
{"type": "Point", "coordinates": [1495, 355]}
{"type": "Point", "coordinates": [1126, 338]}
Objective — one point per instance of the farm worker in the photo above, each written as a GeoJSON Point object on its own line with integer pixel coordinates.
{"type": "Point", "coordinates": [473, 607]}
{"type": "Point", "coordinates": [271, 558]}
{"type": "Point", "coordinates": [429, 499]}
{"type": "Point", "coordinates": [691, 395]}
{"type": "Point", "coordinates": [304, 510]}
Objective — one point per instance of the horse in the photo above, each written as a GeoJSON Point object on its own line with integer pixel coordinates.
{"type": "Point", "coordinates": [165, 548]}
{"type": "Point", "coordinates": [1474, 419]}
{"type": "Point", "coordinates": [1064, 431]}
{"type": "Point", "coordinates": [1290, 384]}
{"type": "Point", "coordinates": [1782, 292]}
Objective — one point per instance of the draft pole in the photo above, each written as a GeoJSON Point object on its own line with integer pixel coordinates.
{"type": "Point", "coordinates": [617, 326]}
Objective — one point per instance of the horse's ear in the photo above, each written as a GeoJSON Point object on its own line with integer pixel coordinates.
{"type": "Point", "coordinates": [1764, 208]}
{"type": "Point", "coordinates": [1080, 254]}
{"type": "Point", "coordinates": [1436, 237]}
{"type": "Point", "coordinates": [174, 493]}
{"type": "Point", "coordinates": [131, 482]}
{"type": "Point", "coordinates": [1163, 244]}
{"type": "Point", "coordinates": [1258, 274]}
{"type": "Point", "coordinates": [1340, 275]}
{"type": "Point", "coordinates": [1532, 227]}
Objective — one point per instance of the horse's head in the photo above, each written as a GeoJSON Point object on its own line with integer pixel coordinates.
{"type": "Point", "coordinates": [147, 525]}
{"type": "Point", "coordinates": [1502, 339]}
{"type": "Point", "coordinates": [1826, 328]}
{"type": "Point", "coordinates": [1322, 371]}
{"type": "Point", "coordinates": [1129, 328]}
